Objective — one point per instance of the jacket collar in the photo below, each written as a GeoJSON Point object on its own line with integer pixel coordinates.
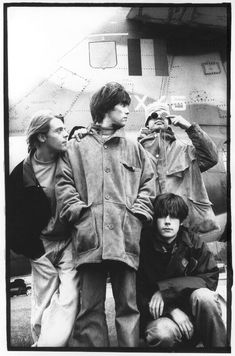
{"type": "Point", "coordinates": [166, 134]}
{"type": "Point", "coordinates": [95, 130]}
{"type": "Point", "coordinates": [29, 178]}
{"type": "Point", "coordinates": [182, 238]}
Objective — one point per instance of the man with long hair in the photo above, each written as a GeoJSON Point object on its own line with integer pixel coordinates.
{"type": "Point", "coordinates": [35, 231]}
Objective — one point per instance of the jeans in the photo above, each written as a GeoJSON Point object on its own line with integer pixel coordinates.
{"type": "Point", "coordinates": [54, 295]}
{"type": "Point", "coordinates": [91, 327]}
{"type": "Point", "coordinates": [205, 313]}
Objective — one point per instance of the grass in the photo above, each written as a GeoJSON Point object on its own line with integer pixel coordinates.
{"type": "Point", "coordinates": [20, 321]}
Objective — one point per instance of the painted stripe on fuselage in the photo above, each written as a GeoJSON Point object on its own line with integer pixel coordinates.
{"type": "Point", "coordinates": [134, 57]}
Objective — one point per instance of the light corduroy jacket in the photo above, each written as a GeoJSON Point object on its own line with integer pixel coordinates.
{"type": "Point", "coordinates": [104, 190]}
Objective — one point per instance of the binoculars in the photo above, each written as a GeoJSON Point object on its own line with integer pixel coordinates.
{"type": "Point", "coordinates": [163, 115]}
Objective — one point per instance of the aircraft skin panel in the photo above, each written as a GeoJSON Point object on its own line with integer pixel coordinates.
{"type": "Point", "coordinates": [17, 150]}
{"type": "Point", "coordinates": [56, 94]}
{"type": "Point", "coordinates": [77, 60]}
{"type": "Point", "coordinates": [214, 17]}
{"type": "Point", "coordinates": [203, 95]}
{"type": "Point", "coordinates": [217, 17]}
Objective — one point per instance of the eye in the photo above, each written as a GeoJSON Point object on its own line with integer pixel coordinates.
{"type": "Point", "coordinates": [59, 130]}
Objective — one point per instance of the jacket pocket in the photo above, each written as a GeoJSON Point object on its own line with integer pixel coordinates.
{"type": "Point", "coordinates": [201, 217]}
{"type": "Point", "coordinates": [131, 229]}
{"type": "Point", "coordinates": [84, 234]}
{"type": "Point", "coordinates": [132, 175]}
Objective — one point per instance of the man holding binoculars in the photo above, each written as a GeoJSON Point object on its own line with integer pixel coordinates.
{"type": "Point", "coordinates": [178, 165]}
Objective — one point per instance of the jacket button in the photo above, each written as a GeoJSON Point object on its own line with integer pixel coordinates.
{"type": "Point", "coordinates": [110, 227]}
{"type": "Point", "coordinates": [107, 197]}
{"type": "Point", "coordinates": [107, 170]}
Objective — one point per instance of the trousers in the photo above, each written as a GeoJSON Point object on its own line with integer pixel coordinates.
{"type": "Point", "coordinates": [55, 286]}
{"type": "Point", "coordinates": [90, 328]}
{"type": "Point", "coordinates": [205, 313]}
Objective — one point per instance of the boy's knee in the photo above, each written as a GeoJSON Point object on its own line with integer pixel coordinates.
{"type": "Point", "coordinates": [162, 333]}
{"type": "Point", "coordinates": [203, 295]}
{"type": "Point", "coordinates": [205, 298]}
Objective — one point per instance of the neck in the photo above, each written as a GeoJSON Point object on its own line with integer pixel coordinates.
{"type": "Point", "coordinates": [162, 242]}
{"type": "Point", "coordinates": [106, 128]}
{"type": "Point", "coordinates": [43, 154]}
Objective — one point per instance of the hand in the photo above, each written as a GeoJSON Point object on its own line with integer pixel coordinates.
{"type": "Point", "coordinates": [156, 305]}
{"type": "Point", "coordinates": [80, 133]}
{"type": "Point", "coordinates": [183, 322]}
{"type": "Point", "coordinates": [178, 120]}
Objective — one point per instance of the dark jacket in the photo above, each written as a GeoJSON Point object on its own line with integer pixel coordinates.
{"type": "Point", "coordinates": [176, 273]}
{"type": "Point", "coordinates": [28, 211]}
{"type": "Point", "coordinates": [104, 189]}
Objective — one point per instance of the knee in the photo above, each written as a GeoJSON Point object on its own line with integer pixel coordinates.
{"type": "Point", "coordinates": [69, 295]}
{"type": "Point", "coordinates": [74, 295]}
{"type": "Point", "coordinates": [204, 297]}
{"type": "Point", "coordinates": [162, 333]}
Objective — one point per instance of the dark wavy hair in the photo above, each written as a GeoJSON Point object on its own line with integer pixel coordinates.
{"type": "Point", "coordinates": [172, 205]}
{"type": "Point", "coordinates": [106, 98]}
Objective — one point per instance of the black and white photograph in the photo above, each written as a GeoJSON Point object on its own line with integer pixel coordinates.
{"type": "Point", "coordinates": [117, 177]}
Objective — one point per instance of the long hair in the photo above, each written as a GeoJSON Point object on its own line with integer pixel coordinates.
{"type": "Point", "coordinates": [172, 205]}
{"type": "Point", "coordinates": [39, 124]}
{"type": "Point", "coordinates": [105, 99]}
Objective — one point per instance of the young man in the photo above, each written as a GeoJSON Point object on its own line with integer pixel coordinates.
{"type": "Point", "coordinates": [176, 281]}
{"type": "Point", "coordinates": [36, 232]}
{"type": "Point", "coordinates": [179, 165]}
{"type": "Point", "coordinates": [105, 189]}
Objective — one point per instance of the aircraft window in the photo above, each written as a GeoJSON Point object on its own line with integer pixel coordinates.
{"type": "Point", "coordinates": [102, 54]}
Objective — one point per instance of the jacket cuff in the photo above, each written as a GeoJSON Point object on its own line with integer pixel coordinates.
{"type": "Point", "coordinates": [74, 212]}
{"type": "Point", "coordinates": [193, 128]}
{"type": "Point", "coordinates": [142, 216]}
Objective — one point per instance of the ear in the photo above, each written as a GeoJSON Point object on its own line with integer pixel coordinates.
{"type": "Point", "coordinates": [41, 138]}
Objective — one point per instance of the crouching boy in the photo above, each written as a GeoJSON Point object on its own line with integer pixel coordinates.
{"type": "Point", "coordinates": [176, 281]}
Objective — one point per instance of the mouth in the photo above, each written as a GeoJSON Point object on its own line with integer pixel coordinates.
{"type": "Point", "coordinates": [159, 122]}
{"type": "Point", "coordinates": [166, 229]}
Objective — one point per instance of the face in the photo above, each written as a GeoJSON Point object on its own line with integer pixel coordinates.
{"type": "Point", "coordinates": [118, 116]}
{"type": "Point", "coordinates": [167, 228]}
{"type": "Point", "coordinates": [158, 122]}
{"type": "Point", "coordinates": [57, 136]}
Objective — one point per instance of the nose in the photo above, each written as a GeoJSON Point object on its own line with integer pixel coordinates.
{"type": "Point", "coordinates": [167, 220]}
{"type": "Point", "coordinates": [66, 133]}
{"type": "Point", "coordinates": [127, 111]}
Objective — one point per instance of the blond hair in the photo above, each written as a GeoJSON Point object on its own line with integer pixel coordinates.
{"type": "Point", "coordinates": [39, 124]}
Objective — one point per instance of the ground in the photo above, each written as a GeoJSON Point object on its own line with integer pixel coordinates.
{"type": "Point", "coordinates": [20, 307]}
{"type": "Point", "coordinates": [20, 316]}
